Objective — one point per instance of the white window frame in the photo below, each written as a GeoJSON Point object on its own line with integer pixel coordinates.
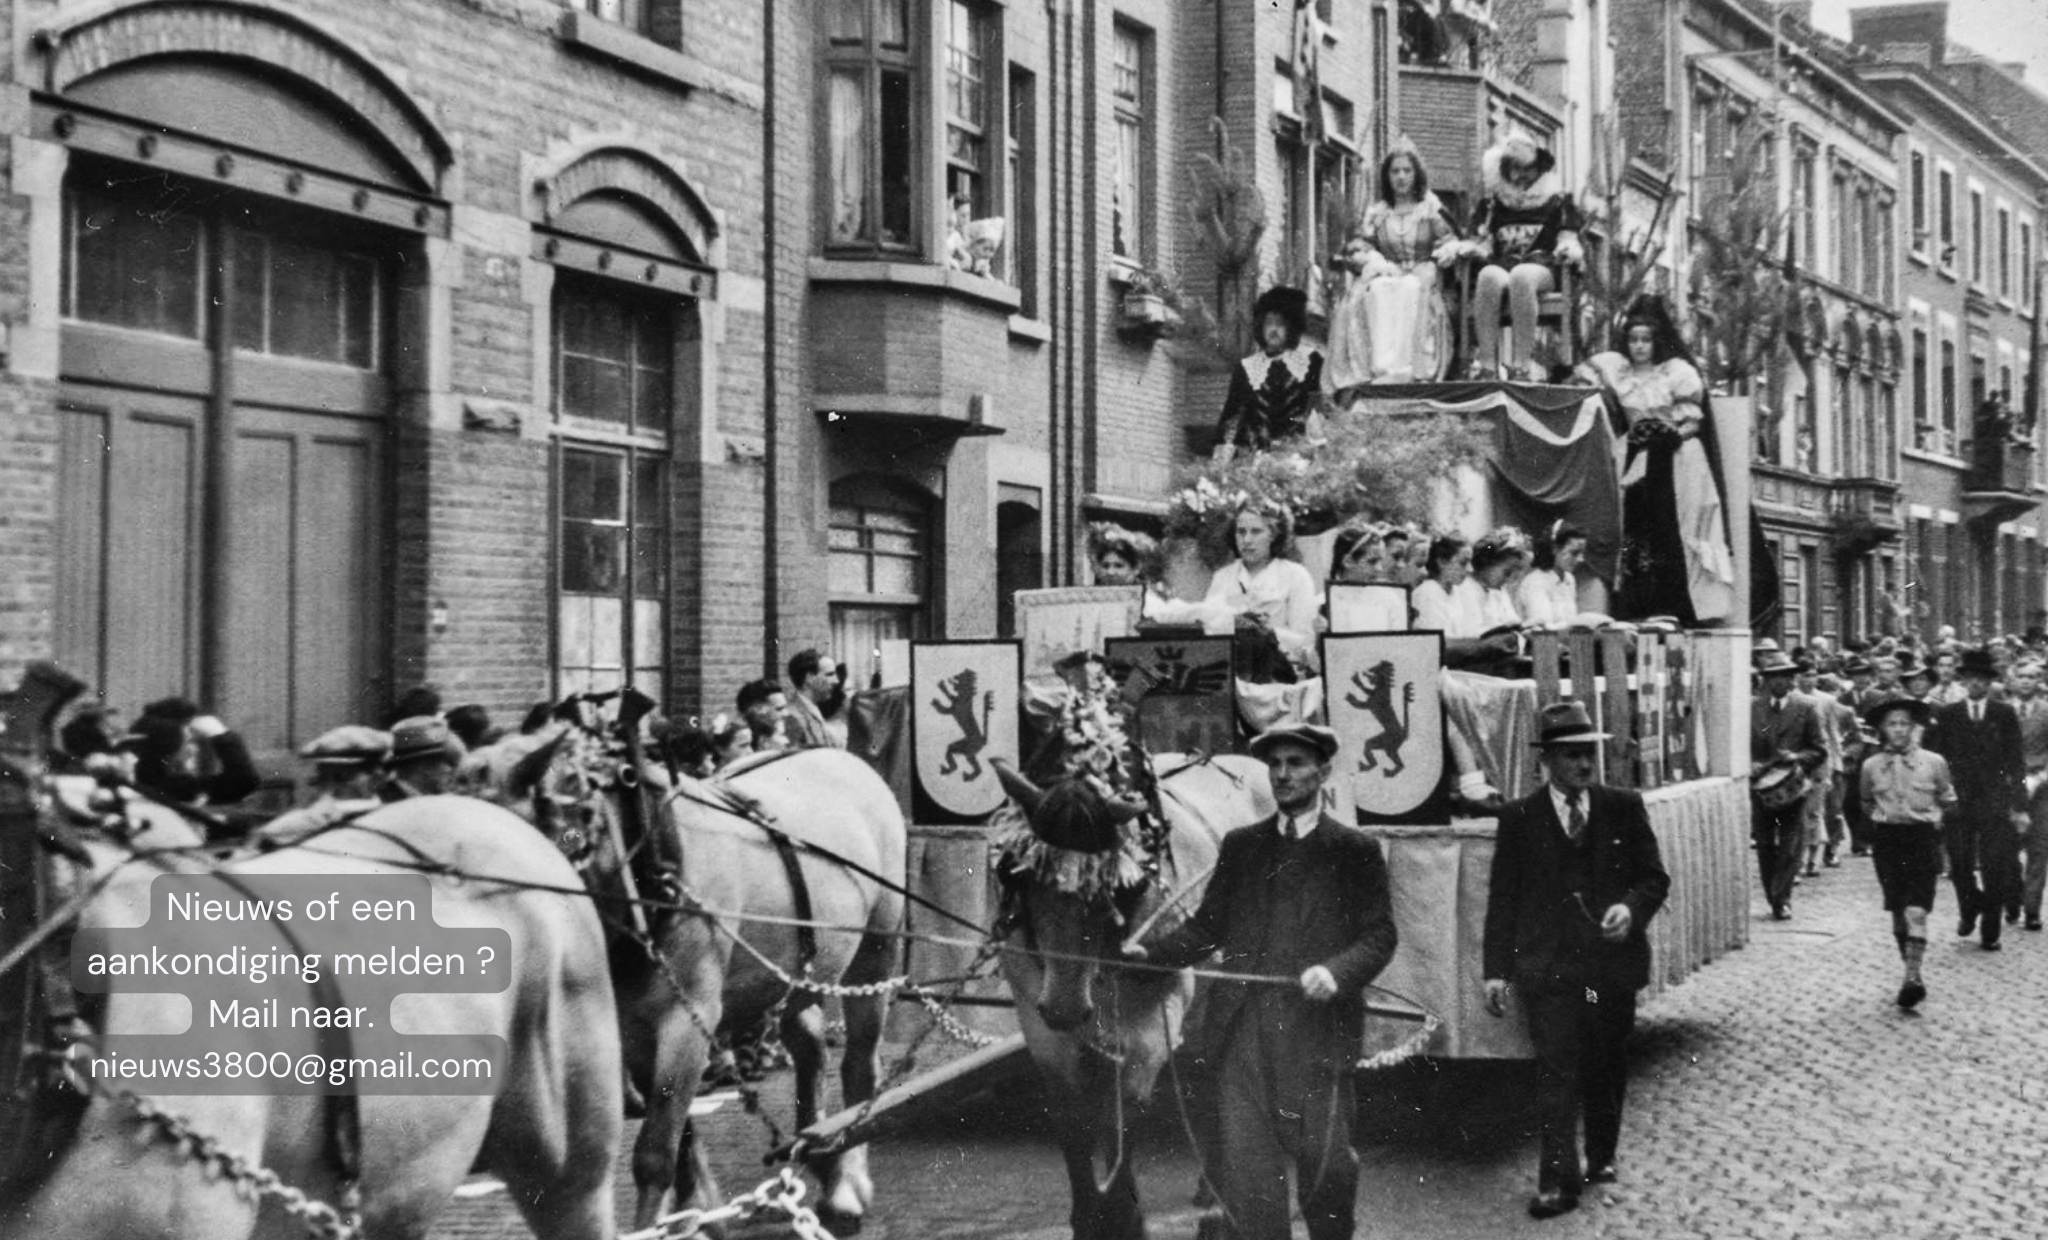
{"type": "Point", "coordinates": [1946, 244]}
{"type": "Point", "coordinates": [1919, 194]}
{"type": "Point", "coordinates": [1974, 225]}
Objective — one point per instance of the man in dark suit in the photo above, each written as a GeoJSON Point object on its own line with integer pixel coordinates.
{"type": "Point", "coordinates": [1576, 879]}
{"type": "Point", "coordinates": [1981, 740]}
{"type": "Point", "coordinates": [1298, 896]}
{"type": "Point", "coordinates": [1784, 735]}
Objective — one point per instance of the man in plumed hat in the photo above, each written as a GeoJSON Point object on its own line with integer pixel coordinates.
{"type": "Point", "coordinates": [1981, 740]}
{"type": "Point", "coordinates": [1272, 390]}
{"type": "Point", "coordinates": [1301, 897]}
{"type": "Point", "coordinates": [1576, 878]}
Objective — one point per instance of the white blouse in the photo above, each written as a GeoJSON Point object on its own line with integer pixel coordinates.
{"type": "Point", "coordinates": [1450, 612]}
{"type": "Point", "coordinates": [1548, 597]}
{"type": "Point", "coordinates": [1282, 592]}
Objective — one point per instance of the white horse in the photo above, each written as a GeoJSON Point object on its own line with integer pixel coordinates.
{"type": "Point", "coordinates": [550, 1127]}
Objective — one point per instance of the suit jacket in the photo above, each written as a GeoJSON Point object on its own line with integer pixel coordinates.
{"type": "Point", "coordinates": [1985, 759]}
{"type": "Point", "coordinates": [804, 725]}
{"type": "Point", "coordinates": [2034, 733]}
{"type": "Point", "coordinates": [1544, 908]}
{"type": "Point", "coordinates": [1794, 729]}
{"type": "Point", "coordinates": [1275, 907]}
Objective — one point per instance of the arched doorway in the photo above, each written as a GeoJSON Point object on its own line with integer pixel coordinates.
{"type": "Point", "coordinates": [231, 346]}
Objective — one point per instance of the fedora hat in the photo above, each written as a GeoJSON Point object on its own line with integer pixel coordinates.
{"type": "Point", "coordinates": [1921, 711]}
{"type": "Point", "coordinates": [1977, 661]}
{"type": "Point", "coordinates": [1566, 723]}
{"type": "Point", "coordinates": [1775, 663]}
{"type": "Point", "coordinates": [424, 736]}
{"type": "Point", "coordinates": [1314, 736]}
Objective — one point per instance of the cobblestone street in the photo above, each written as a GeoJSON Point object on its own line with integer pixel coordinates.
{"type": "Point", "coordinates": [1777, 1094]}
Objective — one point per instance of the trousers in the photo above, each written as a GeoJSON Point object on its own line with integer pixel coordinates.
{"type": "Point", "coordinates": [1581, 1041]}
{"type": "Point", "coordinates": [1983, 866]}
{"type": "Point", "coordinates": [2034, 879]}
{"type": "Point", "coordinates": [1281, 1106]}
{"type": "Point", "coordinates": [1780, 836]}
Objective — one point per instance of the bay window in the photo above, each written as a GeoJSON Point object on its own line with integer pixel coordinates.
{"type": "Point", "coordinates": [870, 124]}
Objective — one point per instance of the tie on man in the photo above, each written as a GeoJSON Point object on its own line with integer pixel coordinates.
{"type": "Point", "coordinates": [1575, 827]}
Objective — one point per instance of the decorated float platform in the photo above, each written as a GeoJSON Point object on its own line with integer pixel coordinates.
{"type": "Point", "coordinates": [1469, 456]}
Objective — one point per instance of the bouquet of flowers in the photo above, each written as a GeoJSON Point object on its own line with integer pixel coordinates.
{"type": "Point", "coordinates": [1387, 467]}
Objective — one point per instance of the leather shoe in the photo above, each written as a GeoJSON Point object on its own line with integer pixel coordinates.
{"type": "Point", "coordinates": [1780, 912]}
{"type": "Point", "coordinates": [2033, 923]}
{"type": "Point", "coordinates": [1602, 1174]}
{"type": "Point", "coordinates": [1911, 994]}
{"type": "Point", "coordinates": [1967, 926]}
{"type": "Point", "coordinates": [1552, 1204]}
{"type": "Point", "coordinates": [1993, 945]}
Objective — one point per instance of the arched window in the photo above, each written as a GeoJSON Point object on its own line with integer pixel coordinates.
{"type": "Point", "coordinates": [880, 576]}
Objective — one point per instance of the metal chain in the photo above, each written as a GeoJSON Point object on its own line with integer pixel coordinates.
{"type": "Point", "coordinates": [251, 1179]}
{"type": "Point", "coordinates": [783, 1194]}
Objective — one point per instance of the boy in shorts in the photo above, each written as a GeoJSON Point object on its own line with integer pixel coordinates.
{"type": "Point", "coordinates": [1906, 790]}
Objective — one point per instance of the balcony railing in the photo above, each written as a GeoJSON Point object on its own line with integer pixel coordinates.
{"type": "Point", "coordinates": [2000, 484]}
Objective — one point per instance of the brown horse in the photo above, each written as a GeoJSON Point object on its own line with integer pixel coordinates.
{"type": "Point", "coordinates": [682, 979]}
{"type": "Point", "coordinates": [1100, 1033]}
{"type": "Point", "coordinates": [550, 1129]}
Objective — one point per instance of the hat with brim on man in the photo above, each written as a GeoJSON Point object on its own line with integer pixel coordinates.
{"type": "Point", "coordinates": [1977, 661]}
{"type": "Point", "coordinates": [1566, 723]}
{"type": "Point", "coordinates": [1922, 713]}
{"type": "Point", "coordinates": [422, 737]}
{"type": "Point", "coordinates": [1308, 735]}
{"type": "Point", "coordinates": [1776, 663]}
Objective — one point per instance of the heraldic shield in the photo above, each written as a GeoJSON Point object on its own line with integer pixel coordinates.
{"type": "Point", "coordinates": [1386, 707]}
{"type": "Point", "coordinates": [963, 712]}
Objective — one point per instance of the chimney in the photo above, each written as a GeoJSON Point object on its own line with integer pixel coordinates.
{"type": "Point", "coordinates": [1915, 32]}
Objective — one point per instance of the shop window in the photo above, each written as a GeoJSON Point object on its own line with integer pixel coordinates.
{"type": "Point", "coordinates": [129, 265]}
{"type": "Point", "coordinates": [880, 534]}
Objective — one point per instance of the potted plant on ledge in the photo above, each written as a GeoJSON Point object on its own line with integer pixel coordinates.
{"type": "Point", "coordinates": [1151, 304]}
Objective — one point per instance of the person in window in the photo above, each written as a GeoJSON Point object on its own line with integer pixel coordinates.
{"type": "Point", "coordinates": [1526, 228]}
{"type": "Point", "coordinates": [1267, 592]}
{"type": "Point", "coordinates": [1272, 391]}
{"type": "Point", "coordinates": [1394, 254]}
{"type": "Point", "coordinates": [816, 678]}
{"type": "Point", "coordinates": [1674, 543]}
{"type": "Point", "coordinates": [971, 244]}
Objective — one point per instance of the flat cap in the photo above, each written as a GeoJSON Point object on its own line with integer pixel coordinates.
{"type": "Point", "coordinates": [351, 744]}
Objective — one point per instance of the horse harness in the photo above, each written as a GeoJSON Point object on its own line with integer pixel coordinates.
{"type": "Point", "coordinates": [44, 1093]}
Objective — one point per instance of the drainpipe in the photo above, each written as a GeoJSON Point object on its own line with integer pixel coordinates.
{"type": "Point", "coordinates": [771, 387]}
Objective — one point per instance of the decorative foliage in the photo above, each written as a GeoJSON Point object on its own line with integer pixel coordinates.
{"type": "Point", "coordinates": [1229, 215]}
{"type": "Point", "coordinates": [1619, 268]}
{"type": "Point", "coordinates": [1385, 467]}
{"type": "Point", "coordinates": [1741, 292]}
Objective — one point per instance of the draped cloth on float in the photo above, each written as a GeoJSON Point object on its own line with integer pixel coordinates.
{"type": "Point", "coordinates": [1553, 453]}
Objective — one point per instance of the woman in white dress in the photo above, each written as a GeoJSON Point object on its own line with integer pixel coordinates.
{"type": "Point", "coordinates": [1401, 240]}
{"type": "Point", "coordinates": [1674, 541]}
{"type": "Point", "coordinates": [1261, 582]}
{"type": "Point", "coordinates": [1498, 559]}
{"type": "Point", "coordinates": [1128, 558]}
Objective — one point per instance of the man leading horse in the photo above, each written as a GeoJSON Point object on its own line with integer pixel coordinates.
{"type": "Point", "coordinates": [1301, 900]}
